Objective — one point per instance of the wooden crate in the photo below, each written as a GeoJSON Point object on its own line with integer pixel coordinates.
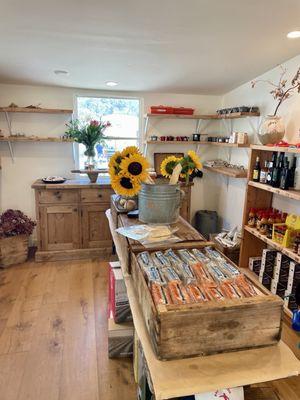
{"type": "Point", "coordinates": [13, 250]}
{"type": "Point", "coordinates": [208, 328]}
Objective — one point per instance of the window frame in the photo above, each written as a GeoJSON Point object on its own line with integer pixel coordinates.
{"type": "Point", "coordinates": [109, 96]}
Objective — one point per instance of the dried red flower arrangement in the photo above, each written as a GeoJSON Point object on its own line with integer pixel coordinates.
{"type": "Point", "coordinates": [14, 223]}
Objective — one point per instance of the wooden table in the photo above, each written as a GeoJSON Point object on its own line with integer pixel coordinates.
{"type": "Point", "coordinates": [204, 374]}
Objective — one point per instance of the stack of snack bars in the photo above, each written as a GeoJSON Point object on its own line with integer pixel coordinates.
{"type": "Point", "coordinates": [278, 273]}
{"type": "Point", "coordinates": [192, 276]}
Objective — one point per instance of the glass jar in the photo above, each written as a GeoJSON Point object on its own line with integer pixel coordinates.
{"type": "Point", "coordinates": [272, 130]}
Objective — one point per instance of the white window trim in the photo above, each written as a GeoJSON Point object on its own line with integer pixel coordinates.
{"type": "Point", "coordinates": [110, 96]}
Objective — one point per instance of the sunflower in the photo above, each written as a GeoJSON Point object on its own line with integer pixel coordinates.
{"type": "Point", "coordinates": [168, 165]}
{"type": "Point", "coordinates": [129, 151]}
{"type": "Point", "coordinates": [125, 185]}
{"type": "Point", "coordinates": [135, 166]}
{"type": "Point", "coordinates": [195, 159]}
{"type": "Point", "coordinates": [115, 159]}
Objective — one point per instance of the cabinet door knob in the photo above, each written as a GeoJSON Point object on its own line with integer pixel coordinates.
{"type": "Point", "coordinates": [100, 195]}
{"type": "Point", "coordinates": [74, 209]}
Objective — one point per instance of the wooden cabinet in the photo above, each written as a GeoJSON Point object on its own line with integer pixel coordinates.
{"type": "Point", "coordinates": [95, 228]}
{"type": "Point", "coordinates": [59, 227]}
{"type": "Point", "coordinates": [71, 220]}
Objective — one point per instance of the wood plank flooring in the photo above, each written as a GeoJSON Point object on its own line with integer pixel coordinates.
{"type": "Point", "coordinates": [53, 336]}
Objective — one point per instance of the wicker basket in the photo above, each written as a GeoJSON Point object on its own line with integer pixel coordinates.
{"type": "Point", "coordinates": [13, 250]}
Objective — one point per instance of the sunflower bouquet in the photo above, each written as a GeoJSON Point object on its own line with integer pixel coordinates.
{"type": "Point", "coordinates": [127, 170]}
{"type": "Point", "coordinates": [190, 164]}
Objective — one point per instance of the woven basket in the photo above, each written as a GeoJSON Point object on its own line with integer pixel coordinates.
{"type": "Point", "coordinates": [13, 250]}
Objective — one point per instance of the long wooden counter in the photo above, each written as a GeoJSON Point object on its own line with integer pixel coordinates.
{"type": "Point", "coordinates": [204, 374]}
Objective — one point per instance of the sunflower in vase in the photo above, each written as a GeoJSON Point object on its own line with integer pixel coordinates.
{"type": "Point", "coordinates": [127, 170]}
{"type": "Point", "coordinates": [190, 166]}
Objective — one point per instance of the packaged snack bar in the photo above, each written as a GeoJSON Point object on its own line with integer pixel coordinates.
{"type": "Point", "coordinates": [196, 293]}
{"type": "Point", "coordinates": [178, 293]}
{"type": "Point", "coordinates": [202, 274]}
{"type": "Point", "coordinates": [216, 273]}
{"type": "Point", "coordinates": [200, 256]}
{"type": "Point", "coordinates": [229, 269]}
{"type": "Point", "coordinates": [214, 293]}
{"type": "Point", "coordinates": [160, 294]}
{"type": "Point", "coordinates": [145, 261]}
{"type": "Point", "coordinates": [213, 254]}
{"type": "Point", "coordinates": [230, 291]}
{"type": "Point", "coordinates": [160, 260]}
{"type": "Point", "coordinates": [245, 286]}
{"type": "Point", "coordinates": [187, 257]}
{"type": "Point", "coordinates": [172, 256]}
{"type": "Point", "coordinates": [154, 275]}
{"type": "Point", "coordinates": [170, 275]}
{"type": "Point", "coordinates": [185, 272]}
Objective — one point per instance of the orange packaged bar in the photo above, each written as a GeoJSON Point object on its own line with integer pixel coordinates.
{"type": "Point", "coordinates": [245, 286]}
{"type": "Point", "coordinates": [160, 294]}
{"type": "Point", "coordinates": [214, 293]}
{"type": "Point", "coordinates": [178, 293]}
{"type": "Point", "coordinates": [196, 294]}
{"type": "Point", "coordinates": [202, 274]}
{"type": "Point", "coordinates": [230, 291]}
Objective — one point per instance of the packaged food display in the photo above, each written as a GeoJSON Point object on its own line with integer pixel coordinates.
{"type": "Point", "coordinates": [193, 276]}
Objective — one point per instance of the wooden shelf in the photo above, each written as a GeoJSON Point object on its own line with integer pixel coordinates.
{"type": "Point", "coordinates": [33, 139]}
{"type": "Point", "coordinates": [291, 194]}
{"type": "Point", "coordinates": [185, 142]}
{"type": "Point", "coordinates": [35, 110]}
{"type": "Point", "coordinates": [231, 172]}
{"type": "Point", "coordinates": [275, 148]}
{"type": "Point", "coordinates": [204, 116]}
{"type": "Point", "coordinates": [270, 242]}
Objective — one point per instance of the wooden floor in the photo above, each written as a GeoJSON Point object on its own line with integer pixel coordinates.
{"type": "Point", "coordinates": [53, 336]}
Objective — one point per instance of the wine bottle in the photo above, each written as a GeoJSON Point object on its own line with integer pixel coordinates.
{"type": "Point", "coordinates": [284, 176]}
{"type": "Point", "coordinates": [256, 170]}
{"type": "Point", "coordinates": [269, 173]}
{"type": "Point", "coordinates": [292, 173]}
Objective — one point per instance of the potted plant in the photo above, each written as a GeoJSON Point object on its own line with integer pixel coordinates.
{"type": "Point", "coordinates": [15, 229]}
{"type": "Point", "coordinates": [273, 129]}
{"type": "Point", "coordinates": [89, 134]}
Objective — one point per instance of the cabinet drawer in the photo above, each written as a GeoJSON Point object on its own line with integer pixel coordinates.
{"type": "Point", "coordinates": [96, 195]}
{"type": "Point", "coordinates": [58, 196]}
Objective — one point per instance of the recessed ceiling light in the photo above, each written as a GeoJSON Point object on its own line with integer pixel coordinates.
{"type": "Point", "coordinates": [111, 83]}
{"type": "Point", "coordinates": [293, 35]}
{"type": "Point", "coordinates": [61, 72]}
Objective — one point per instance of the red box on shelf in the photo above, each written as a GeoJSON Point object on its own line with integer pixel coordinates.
{"type": "Point", "coordinates": [183, 111]}
{"type": "Point", "coordinates": [161, 110]}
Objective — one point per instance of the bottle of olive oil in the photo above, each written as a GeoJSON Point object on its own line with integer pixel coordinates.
{"type": "Point", "coordinates": [256, 170]}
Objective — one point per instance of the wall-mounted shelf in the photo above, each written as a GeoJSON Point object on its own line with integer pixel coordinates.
{"type": "Point", "coordinates": [35, 110]}
{"type": "Point", "coordinates": [32, 110]}
{"type": "Point", "coordinates": [198, 143]}
{"type": "Point", "coordinates": [288, 252]}
{"type": "Point", "coordinates": [276, 148]}
{"type": "Point", "coordinates": [231, 172]}
{"type": "Point", "coordinates": [204, 116]}
{"type": "Point", "coordinates": [33, 139]}
{"type": "Point", "coordinates": [198, 118]}
{"type": "Point", "coordinates": [290, 194]}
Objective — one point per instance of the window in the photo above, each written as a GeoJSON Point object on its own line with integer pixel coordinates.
{"type": "Point", "coordinates": [124, 116]}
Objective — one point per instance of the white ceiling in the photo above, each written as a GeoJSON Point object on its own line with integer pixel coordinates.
{"type": "Point", "coordinates": [179, 46]}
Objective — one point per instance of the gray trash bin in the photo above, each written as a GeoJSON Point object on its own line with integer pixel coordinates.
{"type": "Point", "coordinates": [206, 222]}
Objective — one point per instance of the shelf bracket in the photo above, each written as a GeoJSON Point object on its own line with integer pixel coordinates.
{"type": "Point", "coordinates": [8, 120]}
{"type": "Point", "coordinates": [145, 135]}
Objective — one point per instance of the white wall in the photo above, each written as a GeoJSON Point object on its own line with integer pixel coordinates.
{"type": "Point", "coordinates": [232, 196]}
{"type": "Point", "coordinates": [35, 160]}
{"type": "Point", "coordinates": [213, 192]}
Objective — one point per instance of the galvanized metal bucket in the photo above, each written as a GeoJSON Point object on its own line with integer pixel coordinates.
{"type": "Point", "coordinates": [159, 203]}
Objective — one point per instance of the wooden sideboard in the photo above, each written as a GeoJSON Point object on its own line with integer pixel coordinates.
{"type": "Point", "coordinates": [71, 221]}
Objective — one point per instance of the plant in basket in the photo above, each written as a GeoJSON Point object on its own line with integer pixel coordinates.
{"type": "Point", "coordinates": [15, 229]}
